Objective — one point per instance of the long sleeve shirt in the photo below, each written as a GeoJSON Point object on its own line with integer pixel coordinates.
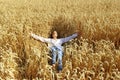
{"type": "Point", "coordinates": [54, 42]}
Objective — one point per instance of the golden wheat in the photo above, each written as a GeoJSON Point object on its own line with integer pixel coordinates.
{"type": "Point", "coordinates": [94, 55]}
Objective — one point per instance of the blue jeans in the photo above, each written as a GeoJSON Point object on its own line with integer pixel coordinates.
{"type": "Point", "coordinates": [57, 53]}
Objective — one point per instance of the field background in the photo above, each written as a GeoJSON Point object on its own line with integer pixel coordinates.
{"type": "Point", "coordinates": [93, 55]}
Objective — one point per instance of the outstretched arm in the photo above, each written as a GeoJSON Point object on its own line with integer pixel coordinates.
{"type": "Point", "coordinates": [47, 40]}
{"type": "Point", "coordinates": [69, 38]}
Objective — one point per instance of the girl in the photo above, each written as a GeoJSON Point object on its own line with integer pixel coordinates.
{"type": "Point", "coordinates": [55, 46]}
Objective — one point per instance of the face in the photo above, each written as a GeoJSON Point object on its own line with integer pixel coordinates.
{"type": "Point", "coordinates": [54, 34]}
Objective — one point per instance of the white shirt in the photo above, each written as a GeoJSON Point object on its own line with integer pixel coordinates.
{"type": "Point", "coordinates": [54, 42]}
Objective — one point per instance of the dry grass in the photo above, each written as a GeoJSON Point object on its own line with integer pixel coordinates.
{"type": "Point", "coordinates": [95, 55]}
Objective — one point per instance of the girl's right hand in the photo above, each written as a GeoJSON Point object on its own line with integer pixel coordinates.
{"type": "Point", "coordinates": [30, 33]}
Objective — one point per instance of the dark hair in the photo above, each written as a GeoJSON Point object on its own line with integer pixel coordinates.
{"type": "Point", "coordinates": [52, 33]}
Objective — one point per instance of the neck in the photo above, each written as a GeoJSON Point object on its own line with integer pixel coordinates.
{"type": "Point", "coordinates": [55, 38]}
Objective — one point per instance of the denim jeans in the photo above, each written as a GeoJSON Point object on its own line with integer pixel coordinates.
{"type": "Point", "coordinates": [57, 53]}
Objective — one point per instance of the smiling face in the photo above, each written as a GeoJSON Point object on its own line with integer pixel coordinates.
{"type": "Point", "coordinates": [54, 34]}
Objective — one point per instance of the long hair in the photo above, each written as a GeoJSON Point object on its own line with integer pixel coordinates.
{"type": "Point", "coordinates": [51, 32]}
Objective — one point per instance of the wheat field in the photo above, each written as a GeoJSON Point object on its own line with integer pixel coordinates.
{"type": "Point", "coordinates": [93, 55]}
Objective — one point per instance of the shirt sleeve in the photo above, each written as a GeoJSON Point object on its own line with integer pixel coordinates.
{"type": "Point", "coordinates": [69, 38]}
{"type": "Point", "coordinates": [47, 40]}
